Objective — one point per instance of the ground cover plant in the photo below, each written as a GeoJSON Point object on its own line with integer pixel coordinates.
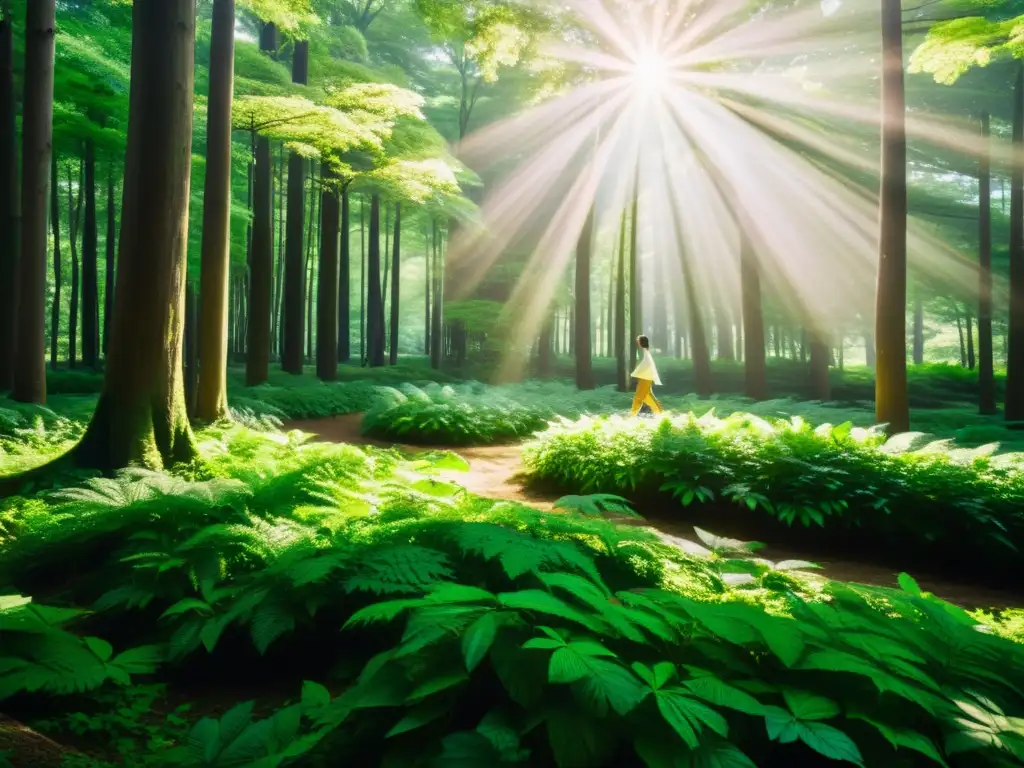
{"type": "Point", "coordinates": [908, 495]}
{"type": "Point", "coordinates": [429, 625]}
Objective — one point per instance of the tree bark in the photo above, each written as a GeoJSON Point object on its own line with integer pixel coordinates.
{"type": "Point", "coordinates": [277, 257]}
{"type": "Point", "coordinates": [635, 297]}
{"type": "Point", "coordinates": [396, 261]}
{"type": "Point", "coordinates": [57, 261]}
{"type": "Point", "coordinates": [74, 207]}
{"type": "Point", "coordinates": [892, 405]}
{"type": "Point", "coordinates": [211, 401]}
{"type": "Point", "coordinates": [191, 361]}
{"type": "Point", "coordinates": [111, 261]}
{"type": "Point", "coordinates": [374, 299]}
{"type": "Point", "coordinates": [726, 343]}
{"type": "Point", "coordinates": [29, 381]}
{"type": "Point", "coordinates": [294, 266]}
{"type": "Point", "coordinates": [10, 203]}
{"type": "Point", "coordinates": [971, 362]}
{"type": "Point", "coordinates": [362, 281]}
{"type": "Point", "coordinates": [436, 314]}
{"type": "Point", "coordinates": [986, 367]}
{"type": "Point", "coordinates": [755, 365]}
{"type": "Point", "coordinates": [621, 370]}
{"type": "Point", "coordinates": [820, 357]}
{"type": "Point", "coordinates": [582, 349]}
{"type": "Point", "coordinates": [426, 296]}
{"type": "Point", "coordinates": [344, 283]}
{"type": "Point", "coordinates": [140, 417]}
{"type": "Point", "coordinates": [330, 288]}
{"type": "Point", "coordinates": [960, 335]}
{"type": "Point", "coordinates": [90, 276]}
{"type": "Point", "coordinates": [1014, 408]}
{"type": "Point", "coordinates": [308, 274]}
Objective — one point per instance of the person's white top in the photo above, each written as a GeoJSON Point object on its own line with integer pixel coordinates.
{"type": "Point", "coordinates": [647, 370]}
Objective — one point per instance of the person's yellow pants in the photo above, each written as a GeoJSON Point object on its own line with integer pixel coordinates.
{"type": "Point", "coordinates": [645, 396]}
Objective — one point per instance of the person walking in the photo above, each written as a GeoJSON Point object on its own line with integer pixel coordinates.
{"type": "Point", "coordinates": [646, 375]}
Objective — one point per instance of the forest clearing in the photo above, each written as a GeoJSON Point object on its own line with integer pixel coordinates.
{"type": "Point", "coordinates": [320, 327]}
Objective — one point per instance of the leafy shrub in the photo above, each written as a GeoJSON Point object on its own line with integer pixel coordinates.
{"type": "Point", "coordinates": [843, 479]}
{"type": "Point", "coordinates": [510, 635]}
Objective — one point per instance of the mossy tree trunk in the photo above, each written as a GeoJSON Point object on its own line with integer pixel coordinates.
{"type": "Point", "coordinates": [57, 262]}
{"type": "Point", "coordinates": [29, 381]}
{"type": "Point", "coordinates": [437, 297]}
{"type": "Point", "coordinates": [140, 417]}
{"type": "Point", "coordinates": [892, 405]}
{"type": "Point", "coordinates": [1014, 408]}
{"type": "Point", "coordinates": [328, 294]}
{"type": "Point", "coordinates": [374, 297]}
{"type": "Point", "coordinates": [215, 266]}
{"type": "Point", "coordinates": [90, 263]}
{"type": "Point", "coordinates": [10, 203]}
{"type": "Point", "coordinates": [74, 208]}
{"type": "Point", "coordinates": [345, 282]}
{"type": "Point", "coordinates": [111, 257]}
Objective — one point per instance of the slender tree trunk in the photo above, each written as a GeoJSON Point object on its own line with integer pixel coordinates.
{"type": "Point", "coordinates": [294, 267]}
{"type": "Point", "coordinates": [344, 283]}
{"type": "Point", "coordinates": [74, 208]}
{"type": "Point", "coordinates": [10, 203]}
{"type": "Point", "coordinates": [1014, 408]}
{"type": "Point", "coordinates": [57, 261]}
{"type": "Point", "coordinates": [111, 261]}
{"type": "Point", "coordinates": [374, 299]}
{"type": "Point", "coordinates": [699, 350]}
{"type": "Point", "coordinates": [277, 330]}
{"type": "Point", "coordinates": [90, 276]}
{"type": "Point", "coordinates": [436, 314]}
{"type": "Point", "coordinates": [869, 348]}
{"type": "Point", "coordinates": [362, 281]}
{"type": "Point", "coordinates": [892, 405]}
{"type": "Point", "coordinates": [211, 401]}
{"type": "Point", "coordinates": [141, 414]}
{"type": "Point", "coordinates": [608, 341]}
{"type": "Point", "coordinates": [635, 296]}
{"type": "Point", "coordinates": [621, 371]}
{"type": "Point", "coordinates": [261, 268]}
{"type": "Point", "coordinates": [583, 352]}
{"type": "Point", "coordinates": [396, 261]}
{"type": "Point", "coordinates": [960, 335]}
{"type": "Point", "coordinates": [970, 340]}
{"type": "Point", "coordinates": [328, 288]}
{"type": "Point", "coordinates": [191, 361]}
{"type": "Point", "coordinates": [986, 367]}
{"type": "Point", "coordinates": [426, 295]}
{"type": "Point", "coordinates": [726, 343]}
{"type": "Point", "coordinates": [918, 330]}
{"type": "Point", "coordinates": [755, 366]}
{"type": "Point", "coordinates": [308, 275]}
{"type": "Point", "coordinates": [820, 357]}
{"type": "Point", "coordinates": [544, 348]}
{"type": "Point", "coordinates": [29, 381]}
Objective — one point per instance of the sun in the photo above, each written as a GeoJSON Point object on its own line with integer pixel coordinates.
{"type": "Point", "coordinates": [650, 71]}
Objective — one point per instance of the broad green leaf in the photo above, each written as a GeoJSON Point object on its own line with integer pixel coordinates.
{"type": "Point", "coordinates": [716, 754]}
{"type": "Point", "coordinates": [100, 647]}
{"type": "Point", "coordinates": [715, 691]}
{"type": "Point", "coordinates": [478, 638]}
{"type": "Point", "coordinates": [830, 742]}
{"type": "Point", "coordinates": [418, 716]}
{"type": "Point", "coordinates": [810, 706]}
{"type": "Point", "coordinates": [314, 695]}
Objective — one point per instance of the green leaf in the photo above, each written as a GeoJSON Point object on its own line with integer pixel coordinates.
{"type": "Point", "coordinates": [100, 647]}
{"type": "Point", "coordinates": [903, 737]}
{"type": "Point", "coordinates": [459, 593]}
{"type": "Point", "coordinates": [418, 716]}
{"type": "Point", "coordinates": [478, 638]}
{"type": "Point", "coordinates": [538, 601]}
{"type": "Point", "coordinates": [909, 585]}
{"type": "Point", "coordinates": [716, 754]}
{"type": "Point", "coordinates": [830, 742]}
{"type": "Point", "coordinates": [717, 692]}
{"type": "Point", "coordinates": [437, 684]}
{"type": "Point", "coordinates": [566, 666]}
{"type": "Point", "coordinates": [314, 695]}
{"type": "Point", "coordinates": [608, 684]}
{"type": "Point", "coordinates": [187, 604]}
{"type": "Point", "coordinates": [467, 749]}
{"type": "Point", "coordinates": [810, 706]}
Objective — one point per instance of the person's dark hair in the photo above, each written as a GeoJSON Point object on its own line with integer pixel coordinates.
{"type": "Point", "coordinates": [643, 341]}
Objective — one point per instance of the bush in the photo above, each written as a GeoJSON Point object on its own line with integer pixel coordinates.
{"type": "Point", "coordinates": [909, 495]}
{"type": "Point", "coordinates": [509, 635]}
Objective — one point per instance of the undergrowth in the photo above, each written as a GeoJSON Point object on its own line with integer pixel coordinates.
{"type": "Point", "coordinates": [409, 623]}
{"type": "Point", "coordinates": [909, 494]}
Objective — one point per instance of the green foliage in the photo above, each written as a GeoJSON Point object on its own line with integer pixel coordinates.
{"type": "Point", "coordinates": [909, 491]}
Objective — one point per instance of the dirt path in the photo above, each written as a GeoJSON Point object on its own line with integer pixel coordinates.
{"type": "Point", "coordinates": [494, 474]}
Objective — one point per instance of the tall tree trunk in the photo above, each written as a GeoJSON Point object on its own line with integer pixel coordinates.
{"type": "Point", "coordinates": [374, 299]}
{"type": "Point", "coordinates": [960, 335]}
{"type": "Point", "coordinates": [396, 261]}
{"type": "Point", "coordinates": [74, 207]}
{"type": "Point", "coordinates": [57, 261]}
{"type": "Point", "coordinates": [699, 350]}
{"type": "Point", "coordinates": [635, 297]}
{"type": "Point", "coordinates": [608, 342]}
{"type": "Point", "coordinates": [10, 202]}
{"type": "Point", "coordinates": [892, 405]}
{"type": "Point", "coordinates": [583, 352]}
{"type": "Point", "coordinates": [328, 293]}
{"type": "Point", "coordinates": [90, 277]}
{"type": "Point", "coordinates": [344, 283]}
{"type": "Point", "coordinates": [111, 261]}
{"type": "Point", "coordinates": [918, 330]}
{"type": "Point", "coordinates": [362, 281]}
{"type": "Point", "coordinates": [261, 267]}
{"type": "Point", "coordinates": [726, 343]}
{"type": "Point", "coordinates": [29, 381]}
{"type": "Point", "coordinates": [277, 256]}
{"type": "Point", "coordinates": [544, 348]}
{"type": "Point", "coordinates": [755, 367]}
{"type": "Point", "coordinates": [621, 371]}
{"type": "Point", "coordinates": [308, 275]}
{"type": "Point", "coordinates": [294, 266]}
{"type": "Point", "coordinates": [970, 340]}
{"type": "Point", "coordinates": [986, 367]}
{"type": "Point", "coordinates": [191, 361]}
{"type": "Point", "coordinates": [211, 401]}
{"type": "Point", "coordinates": [820, 357]}
{"type": "Point", "coordinates": [1014, 408]}
{"type": "Point", "coordinates": [426, 295]}
{"type": "Point", "coordinates": [437, 311]}
{"type": "Point", "coordinates": [869, 347]}
{"type": "Point", "coordinates": [141, 415]}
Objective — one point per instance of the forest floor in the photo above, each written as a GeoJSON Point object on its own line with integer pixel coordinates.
{"type": "Point", "coordinates": [496, 473]}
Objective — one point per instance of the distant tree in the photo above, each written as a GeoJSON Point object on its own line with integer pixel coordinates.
{"type": "Point", "coordinates": [10, 202]}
